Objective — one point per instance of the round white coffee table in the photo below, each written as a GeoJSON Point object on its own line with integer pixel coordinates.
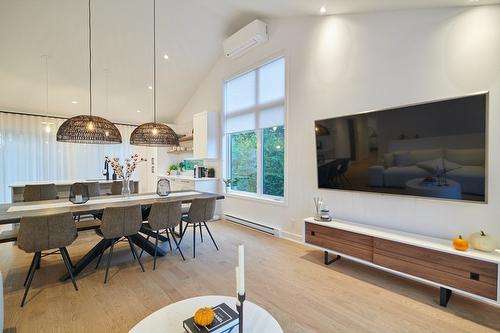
{"type": "Point", "coordinates": [452, 190]}
{"type": "Point", "coordinates": [169, 319]}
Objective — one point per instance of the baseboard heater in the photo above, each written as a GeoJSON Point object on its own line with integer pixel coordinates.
{"type": "Point", "coordinates": [253, 225]}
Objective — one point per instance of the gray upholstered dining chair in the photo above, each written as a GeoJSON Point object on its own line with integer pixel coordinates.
{"type": "Point", "coordinates": [43, 233]}
{"type": "Point", "coordinates": [200, 211]}
{"type": "Point", "coordinates": [164, 216]}
{"type": "Point", "coordinates": [94, 189]}
{"type": "Point", "coordinates": [40, 192]}
{"type": "Point", "coordinates": [120, 223]}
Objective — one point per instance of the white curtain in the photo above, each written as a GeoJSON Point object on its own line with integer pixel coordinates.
{"type": "Point", "coordinates": [29, 153]}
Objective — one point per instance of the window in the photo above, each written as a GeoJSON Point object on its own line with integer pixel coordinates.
{"type": "Point", "coordinates": [254, 111]}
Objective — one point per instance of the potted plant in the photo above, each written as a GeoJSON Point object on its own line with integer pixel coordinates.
{"type": "Point", "coordinates": [182, 166]}
{"type": "Point", "coordinates": [173, 169]}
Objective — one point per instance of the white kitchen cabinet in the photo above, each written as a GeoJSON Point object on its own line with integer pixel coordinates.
{"type": "Point", "coordinates": [206, 135]}
{"type": "Point", "coordinates": [184, 183]}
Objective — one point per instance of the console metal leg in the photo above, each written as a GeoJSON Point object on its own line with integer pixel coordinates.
{"type": "Point", "coordinates": [444, 296]}
{"type": "Point", "coordinates": [329, 261]}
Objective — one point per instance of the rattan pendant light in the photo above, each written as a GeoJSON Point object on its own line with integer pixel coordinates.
{"type": "Point", "coordinates": [89, 128]}
{"type": "Point", "coordinates": [154, 134]}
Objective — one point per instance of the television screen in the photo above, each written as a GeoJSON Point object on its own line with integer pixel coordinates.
{"type": "Point", "coordinates": [435, 149]}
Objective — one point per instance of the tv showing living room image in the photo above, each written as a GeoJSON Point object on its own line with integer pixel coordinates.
{"type": "Point", "coordinates": [436, 149]}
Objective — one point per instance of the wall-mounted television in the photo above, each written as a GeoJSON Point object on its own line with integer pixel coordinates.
{"type": "Point", "coordinates": [436, 149]}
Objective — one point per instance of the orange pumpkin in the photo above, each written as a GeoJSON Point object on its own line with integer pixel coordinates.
{"type": "Point", "coordinates": [204, 316]}
{"type": "Point", "coordinates": [460, 244]}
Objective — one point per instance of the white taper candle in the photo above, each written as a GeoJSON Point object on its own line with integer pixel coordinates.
{"type": "Point", "coordinates": [237, 270]}
{"type": "Point", "coordinates": [241, 265]}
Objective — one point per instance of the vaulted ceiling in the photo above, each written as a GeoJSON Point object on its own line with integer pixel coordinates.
{"type": "Point", "coordinates": [190, 32]}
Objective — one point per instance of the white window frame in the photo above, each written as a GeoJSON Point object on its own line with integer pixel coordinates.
{"type": "Point", "coordinates": [259, 196]}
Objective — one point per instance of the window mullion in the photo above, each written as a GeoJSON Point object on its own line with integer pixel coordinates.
{"type": "Point", "coordinates": [260, 162]}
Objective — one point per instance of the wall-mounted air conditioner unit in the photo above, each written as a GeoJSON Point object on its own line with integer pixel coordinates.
{"type": "Point", "coordinates": [246, 38]}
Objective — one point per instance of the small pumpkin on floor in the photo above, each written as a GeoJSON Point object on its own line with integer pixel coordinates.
{"type": "Point", "coordinates": [460, 244]}
{"type": "Point", "coordinates": [204, 316]}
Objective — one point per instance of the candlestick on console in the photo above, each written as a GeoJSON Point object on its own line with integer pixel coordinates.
{"type": "Point", "coordinates": [240, 285]}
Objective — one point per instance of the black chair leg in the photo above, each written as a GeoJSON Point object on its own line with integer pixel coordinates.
{"type": "Point", "coordinates": [109, 260]}
{"type": "Point", "coordinates": [31, 267]}
{"type": "Point", "coordinates": [156, 249]}
{"type": "Point", "coordinates": [64, 255]}
{"type": "Point", "coordinates": [31, 274]}
{"type": "Point", "coordinates": [201, 234]}
{"type": "Point", "coordinates": [172, 231]}
{"type": "Point", "coordinates": [142, 251]}
{"type": "Point", "coordinates": [183, 232]}
{"type": "Point", "coordinates": [135, 253]}
{"type": "Point", "coordinates": [68, 257]}
{"type": "Point", "coordinates": [194, 240]}
{"type": "Point", "coordinates": [213, 240]}
{"type": "Point", "coordinates": [168, 239]}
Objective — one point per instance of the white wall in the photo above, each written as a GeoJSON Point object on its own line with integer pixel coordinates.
{"type": "Point", "coordinates": [341, 65]}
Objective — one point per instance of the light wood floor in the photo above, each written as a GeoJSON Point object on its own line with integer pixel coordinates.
{"type": "Point", "coordinates": [286, 278]}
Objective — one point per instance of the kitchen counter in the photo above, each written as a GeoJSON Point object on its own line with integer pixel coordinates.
{"type": "Point", "coordinates": [187, 177]}
{"type": "Point", "coordinates": [62, 187]}
{"type": "Point", "coordinates": [189, 183]}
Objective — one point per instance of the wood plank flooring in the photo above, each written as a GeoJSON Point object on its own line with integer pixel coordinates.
{"type": "Point", "coordinates": [286, 278]}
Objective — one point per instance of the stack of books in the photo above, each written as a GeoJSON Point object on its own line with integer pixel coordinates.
{"type": "Point", "coordinates": [225, 320]}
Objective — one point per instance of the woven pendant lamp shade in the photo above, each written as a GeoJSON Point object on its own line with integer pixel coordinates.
{"type": "Point", "coordinates": [154, 135]}
{"type": "Point", "coordinates": [88, 129]}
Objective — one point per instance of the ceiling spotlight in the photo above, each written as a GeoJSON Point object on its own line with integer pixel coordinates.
{"type": "Point", "coordinates": [165, 56]}
{"type": "Point", "coordinates": [150, 87]}
{"type": "Point", "coordinates": [322, 10]}
{"type": "Point", "coordinates": [74, 102]}
{"type": "Point", "coordinates": [138, 111]}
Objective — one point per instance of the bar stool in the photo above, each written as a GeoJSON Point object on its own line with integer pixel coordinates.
{"type": "Point", "coordinates": [43, 233]}
{"type": "Point", "coordinates": [164, 216]}
{"type": "Point", "coordinates": [200, 211]}
{"type": "Point", "coordinates": [120, 223]}
{"type": "Point", "coordinates": [40, 192]}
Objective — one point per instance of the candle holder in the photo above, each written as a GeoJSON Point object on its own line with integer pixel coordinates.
{"type": "Point", "coordinates": [239, 309]}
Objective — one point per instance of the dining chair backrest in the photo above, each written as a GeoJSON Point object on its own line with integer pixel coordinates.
{"type": "Point", "coordinates": [165, 215]}
{"type": "Point", "coordinates": [79, 189]}
{"type": "Point", "coordinates": [40, 192]}
{"type": "Point", "coordinates": [94, 189]}
{"type": "Point", "coordinates": [121, 221]}
{"type": "Point", "coordinates": [116, 187]}
{"type": "Point", "coordinates": [201, 210]}
{"type": "Point", "coordinates": [41, 233]}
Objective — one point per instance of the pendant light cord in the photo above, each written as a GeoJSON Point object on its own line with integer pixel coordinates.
{"type": "Point", "coordinates": [46, 58]}
{"type": "Point", "coordinates": [90, 59]}
{"type": "Point", "coordinates": [154, 61]}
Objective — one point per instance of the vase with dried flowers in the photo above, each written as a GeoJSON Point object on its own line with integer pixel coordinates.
{"type": "Point", "coordinates": [125, 171]}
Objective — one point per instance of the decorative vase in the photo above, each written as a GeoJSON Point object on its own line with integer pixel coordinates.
{"type": "Point", "coordinates": [126, 187]}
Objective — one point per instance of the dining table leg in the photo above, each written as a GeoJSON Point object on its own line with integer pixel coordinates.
{"type": "Point", "coordinates": [148, 246]}
{"type": "Point", "coordinates": [88, 258]}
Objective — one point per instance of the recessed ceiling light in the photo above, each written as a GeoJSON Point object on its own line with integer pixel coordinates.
{"type": "Point", "coordinates": [138, 111]}
{"type": "Point", "coordinates": [150, 87]}
{"type": "Point", "coordinates": [165, 56]}
{"type": "Point", "coordinates": [322, 10]}
{"type": "Point", "coordinates": [74, 102]}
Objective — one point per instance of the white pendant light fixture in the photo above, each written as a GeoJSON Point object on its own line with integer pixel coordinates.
{"type": "Point", "coordinates": [89, 128]}
{"type": "Point", "coordinates": [154, 134]}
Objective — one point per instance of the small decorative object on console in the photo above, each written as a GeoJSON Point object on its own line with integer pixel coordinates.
{"type": "Point", "coordinates": [204, 316]}
{"type": "Point", "coordinates": [483, 242]}
{"type": "Point", "coordinates": [460, 244]}
{"type": "Point", "coordinates": [224, 319]}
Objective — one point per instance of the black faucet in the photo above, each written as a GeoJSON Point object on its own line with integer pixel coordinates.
{"type": "Point", "coordinates": [106, 170]}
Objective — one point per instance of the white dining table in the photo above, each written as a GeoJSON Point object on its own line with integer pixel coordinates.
{"type": "Point", "coordinates": [169, 319]}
